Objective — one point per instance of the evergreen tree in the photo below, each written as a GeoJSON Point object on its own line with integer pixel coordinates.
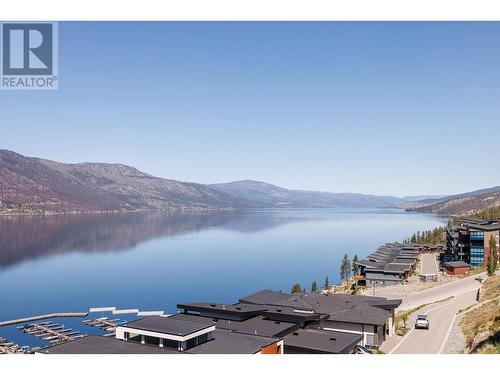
{"type": "Point", "coordinates": [490, 267]}
{"type": "Point", "coordinates": [488, 214]}
{"type": "Point", "coordinates": [296, 288]}
{"type": "Point", "coordinates": [492, 258]}
{"type": "Point", "coordinates": [327, 283]}
{"type": "Point", "coordinates": [495, 256]}
{"type": "Point", "coordinates": [314, 287]}
{"type": "Point", "coordinates": [355, 266]}
{"type": "Point", "coordinates": [434, 236]}
{"type": "Point", "coordinates": [345, 268]}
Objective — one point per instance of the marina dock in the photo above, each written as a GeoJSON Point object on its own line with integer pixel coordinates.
{"type": "Point", "coordinates": [52, 332]}
{"type": "Point", "coordinates": [8, 347]}
{"type": "Point", "coordinates": [104, 323]}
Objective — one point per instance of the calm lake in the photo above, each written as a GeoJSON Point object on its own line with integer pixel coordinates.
{"type": "Point", "coordinates": [152, 261]}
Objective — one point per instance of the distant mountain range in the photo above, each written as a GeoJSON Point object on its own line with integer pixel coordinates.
{"type": "Point", "coordinates": [38, 185]}
{"type": "Point", "coordinates": [459, 204]}
{"type": "Point", "coordinates": [34, 185]}
{"type": "Point", "coordinates": [267, 195]}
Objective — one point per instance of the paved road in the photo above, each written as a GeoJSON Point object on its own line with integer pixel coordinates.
{"type": "Point", "coordinates": [454, 288]}
{"type": "Point", "coordinates": [434, 294]}
{"type": "Point", "coordinates": [428, 264]}
{"type": "Point", "coordinates": [441, 318]}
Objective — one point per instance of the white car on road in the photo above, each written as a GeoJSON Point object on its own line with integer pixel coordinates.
{"type": "Point", "coordinates": [422, 322]}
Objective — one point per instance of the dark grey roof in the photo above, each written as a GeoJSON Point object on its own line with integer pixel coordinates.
{"type": "Point", "coordinates": [337, 307]}
{"type": "Point", "coordinates": [366, 263]}
{"type": "Point", "coordinates": [168, 325]}
{"type": "Point", "coordinates": [397, 268]}
{"type": "Point", "coordinates": [104, 345]}
{"type": "Point", "coordinates": [485, 225]}
{"type": "Point", "coordinates": [387, 303]}
{"type": "Point", "coordinates": [240, 309]}
{"type": "Point", "coordinates": [382, 276]}
{"type": "Point", "coordinates": [289, 314]}
{"type": "Point", "coordinates": [228, 342]}
{"type": "Point", "coordinates": [194, 318]}
{"type": "Point", "coordinates": [349, 308]}
{"type": "Point", "coordinates": [295, 301]}
{"type": "Point", "coordinates": [265, 297]}
{"type": "Point", "coordinates": [322, 341]}
{"type": "Point", "coordinates": [403, 260]}
{"type": "Point", "coordinates": [362, 299]}
{"type": "Point", "coordinates": [256, 326]}
{"type": "Point", "coordinates": [391, 257]}
{"type": "Point", "coordinates": [456, 264]}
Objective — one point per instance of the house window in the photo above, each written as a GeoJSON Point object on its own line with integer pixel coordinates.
{"type": "Point", "coordinates": [170, 344]}
{"type": "Point", "coordinates": [151, 340]}
{"type": "Point", "coordinates": [191, 343]}
{"type": "Point", "coordinates": [132, 336]}
{"type": "Point", "coordinates": [202, 338]}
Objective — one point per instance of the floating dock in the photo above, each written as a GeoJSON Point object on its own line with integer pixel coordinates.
{"type": "Point", "coordinates": [104, 323]}
{"type": "Point", "coordinates": [52, 332]}
{"type": "Point", "coordinates": [7, 347]}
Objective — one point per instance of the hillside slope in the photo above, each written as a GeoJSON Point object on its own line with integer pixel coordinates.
{"type": "Point", "coordinates": [461, 204]}
{"type": "Point", "coordinates": [45, 186]}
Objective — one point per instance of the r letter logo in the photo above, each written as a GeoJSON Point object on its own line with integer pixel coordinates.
{"type": "Point", "coordinates": [29, 55]}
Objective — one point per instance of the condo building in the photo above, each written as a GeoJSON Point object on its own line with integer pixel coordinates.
{"type": "Point", "coordinates": [468, 241]}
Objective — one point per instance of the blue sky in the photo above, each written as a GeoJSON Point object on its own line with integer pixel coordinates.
{"type": "Point", "coordinates": [384, 108]}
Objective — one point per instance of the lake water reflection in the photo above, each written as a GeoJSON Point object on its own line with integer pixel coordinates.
{"type": "Point", "coordinates": [155, 260]}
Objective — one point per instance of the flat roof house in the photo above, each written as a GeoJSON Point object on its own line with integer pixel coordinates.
{"type": "Point", "coordinates": [95, 344]}
{"type": "Point", "coordinates": [257, 325]}
{"type": "Point", "coordinates": [316, 341]}
{"type": "Point", "coordinates": [230, 342]}
{"type": "Point", "coordinates": [166, 332]}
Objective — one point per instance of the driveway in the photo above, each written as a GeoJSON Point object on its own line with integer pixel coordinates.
{"type": "Point", "coordinates": [428, 264]}
{"type": "Point", "coordinates": [441, 319]}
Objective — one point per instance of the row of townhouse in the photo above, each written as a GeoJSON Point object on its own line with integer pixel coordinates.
{"type": "Point", "coordinates": [267, 322]}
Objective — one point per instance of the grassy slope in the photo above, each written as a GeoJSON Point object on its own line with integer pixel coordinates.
{"type": "Point", "coordinates": [481, 325]}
